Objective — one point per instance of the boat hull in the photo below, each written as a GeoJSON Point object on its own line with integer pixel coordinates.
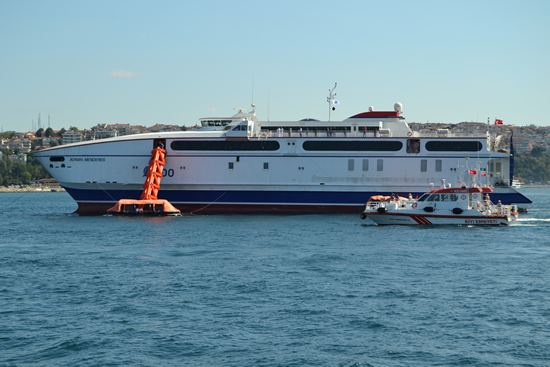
{"type": "Point", "coordinates": [93, 201]}
{"type": "Point", "coordinates": [426, 219]}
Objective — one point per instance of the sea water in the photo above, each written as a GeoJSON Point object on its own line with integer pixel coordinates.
{"type": "Point", "coordinates": [269, 290]}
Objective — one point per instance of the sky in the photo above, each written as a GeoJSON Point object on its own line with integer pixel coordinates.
{"type": "Point", "coordinates": [81, 63]}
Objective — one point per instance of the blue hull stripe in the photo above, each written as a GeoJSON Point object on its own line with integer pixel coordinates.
{"type": "Point", "coordinates": [259, 197]}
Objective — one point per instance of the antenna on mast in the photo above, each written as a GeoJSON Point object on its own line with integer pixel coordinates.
{"type": "Point", "coordinates": [268, 105]}
{"type": "Point", "coordinates": [331, 101]}
{"type": "Point", "coordinates": [252, 88]}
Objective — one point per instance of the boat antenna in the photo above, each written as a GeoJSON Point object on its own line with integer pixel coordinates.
{"type": "Point", "coordinates": [268, 104]}
{"type": "Point", "coordinates": [331, 100]}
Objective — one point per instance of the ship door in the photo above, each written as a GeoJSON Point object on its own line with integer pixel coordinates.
{"type": "Point", "coordinates": [158, 142]}
{"type": "Point", "coordinates": [291, 146]}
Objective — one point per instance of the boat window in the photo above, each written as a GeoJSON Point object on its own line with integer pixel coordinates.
{"type": "Point", "coordinates": [365, 164]}
{"type": "Point", "coordinates": [438, 165]}
{"type": "Point", "coordinates": [423, 165]}
{"type": "Point", "coordinates": [433, 197]}
{"type": "Point", "coordinates": [351, 164]}
{"type": "Point", "coordinates": [353, 146]}
{"type": "Point", "coordinates": [379, 165]}
{"type": "Point", "coordinates": [423, 197]}
{"type": "Point", "coordinates": [454, 197]}
{"type": "Point", "coordinates": [445, 197]}
{"type": "Point", "coordinates": [453, 146]}
{"type": "Point", "coordinates": [240, 127]}
{"type": "Point", "coordinates": [225, 145]}
{"type": "Point", "coordinates": [57, 159]}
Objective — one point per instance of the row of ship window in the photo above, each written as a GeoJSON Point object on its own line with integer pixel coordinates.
{"type": "Point", "coordinates": [413, 145]}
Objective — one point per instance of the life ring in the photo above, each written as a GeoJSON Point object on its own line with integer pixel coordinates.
{"type": "Point", "coordinates": [409, 134]}
{"type": "Point", "coordinates": [463, 197]}
{"type": "Point", "coordinates": [414, 205]}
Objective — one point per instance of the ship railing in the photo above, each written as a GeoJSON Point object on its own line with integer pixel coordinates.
{"type": "Point", "coordinates": [457, 134]}
{"type": "Point", "coordinates": [264, 134]}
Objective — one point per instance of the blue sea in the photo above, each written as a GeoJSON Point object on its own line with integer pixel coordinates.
{"type": "Point", "coordinates": [269, 290]}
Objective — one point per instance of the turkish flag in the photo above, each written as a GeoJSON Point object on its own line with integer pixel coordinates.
{"type": "Point", "coordinates": [472, 172]}
{"type": "Point", "coordinates": [498, 122]}
{"type": "Point", "coordinates": [484, 174]}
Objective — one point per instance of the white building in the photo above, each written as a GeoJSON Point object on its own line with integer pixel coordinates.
{"type": "Point", "coordinates": [71, 137]}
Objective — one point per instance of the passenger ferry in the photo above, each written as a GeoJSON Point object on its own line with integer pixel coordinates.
{"type": "Point", "coordinates": [240, 164]}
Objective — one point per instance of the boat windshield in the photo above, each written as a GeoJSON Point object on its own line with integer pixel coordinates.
{"type": "Point", "coordinates": [423, 197]}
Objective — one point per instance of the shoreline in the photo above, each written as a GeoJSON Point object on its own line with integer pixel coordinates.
{"type": "Point", "coordinates": [32, 189]}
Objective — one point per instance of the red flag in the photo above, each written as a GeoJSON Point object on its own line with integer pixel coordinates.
{"type": "Point", "coordinates": [498, 122]}
{"type": "Point", "coordinates": [472, 172]}
{"type": "Point", "coordinates": [483, 174]}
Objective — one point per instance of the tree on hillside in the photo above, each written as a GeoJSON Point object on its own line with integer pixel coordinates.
{"type": "Point", "coordinates": [39, 132]}
{"type": "Point", "coordinates": [49, 132]}
{"type": "Point", "coordinates": [537, 151]}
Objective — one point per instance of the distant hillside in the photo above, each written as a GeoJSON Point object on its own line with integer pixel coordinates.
{"type": "Point", "coordinates": [18, 173]}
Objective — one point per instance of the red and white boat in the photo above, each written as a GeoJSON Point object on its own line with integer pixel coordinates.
{"type": "Point", "coordinates": [455, 206]}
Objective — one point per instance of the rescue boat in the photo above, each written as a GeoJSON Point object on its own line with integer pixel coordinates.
{"type": "Point", "coordinates": [469, 206]}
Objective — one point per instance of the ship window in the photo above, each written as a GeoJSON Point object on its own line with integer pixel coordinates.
{"type": "Point", "coordinates": [230, 165]}
{"type": "Point", "coordinates": [423, 165]}
{"type": "Point", "coordinates": [351, 164]}
{"type": "Point", "coordinates": [445, 197]}
{"type": "Point", "coordinates": [224, 145]}
{"type": "Point", "coordinates": [498, 168]}
{"type": "Point", "coordinates": [353, 146]}
{"type": "Point", "coordinates": [57, 159]}
{"type": "Point", "coordinates": [454, 197]}
{"type": "Point", "coordinates": [240, 128]}
{"type": "Point", "coordinates": [438, 165]}
{"type": "Point", "coordinates": [379, 164]}
{"type": "Point", "coordinates": [365, 164]}
{"type": "Point", "coordinates": [453, 146]}
{"type": "Point", "coordinates": [266, 165]}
